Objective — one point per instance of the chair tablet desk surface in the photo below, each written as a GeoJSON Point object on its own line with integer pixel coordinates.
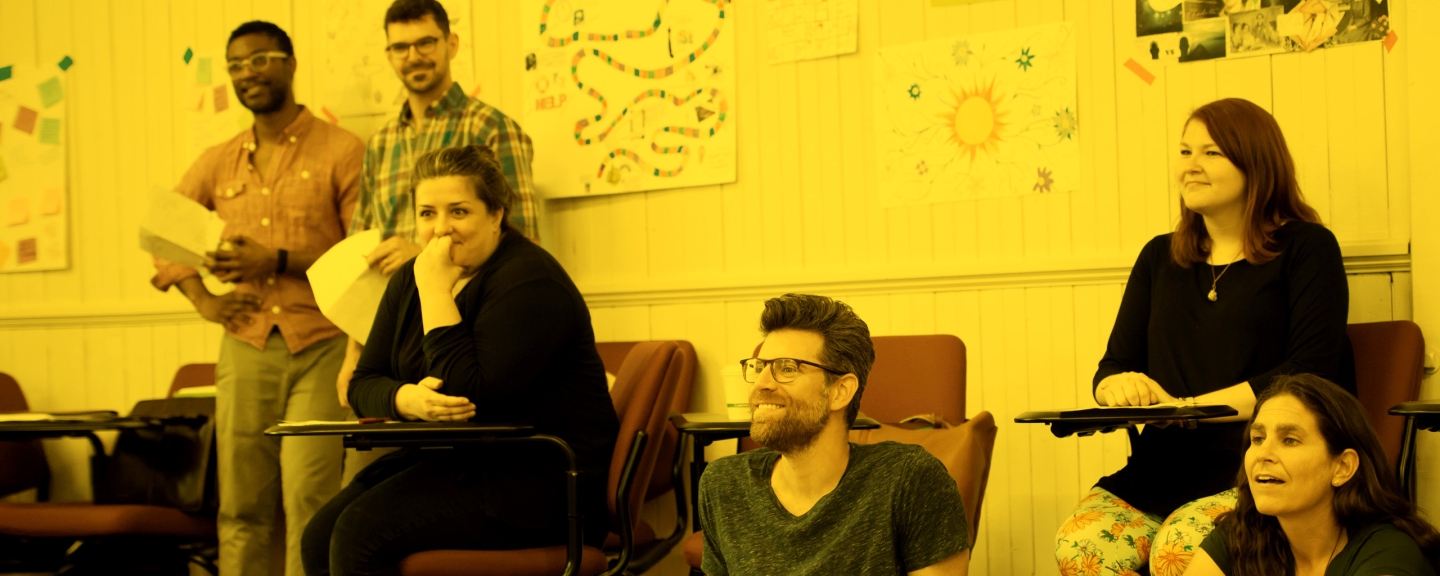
{"type": "Point", "coordinates": [706, 429]}
{"type": "Point", "coordinates": [1087, 421]}
{"type": "Point", "coordinates": [76, 424]}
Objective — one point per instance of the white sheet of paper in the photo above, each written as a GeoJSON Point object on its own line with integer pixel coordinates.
{"type": "Point", "coordinates": [26, 417]}
{"type": "Point", "coordinates": [347, 290]}
{"type": "Point", "coordinates": [179, 229]}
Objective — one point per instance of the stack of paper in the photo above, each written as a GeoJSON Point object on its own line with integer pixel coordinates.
{"type": "Point", "coordinates": [179, 229]}
{"type": "Point", "coordinates": [346, 288]}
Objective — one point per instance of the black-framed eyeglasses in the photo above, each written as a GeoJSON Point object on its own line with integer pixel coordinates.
{"type": "Point", "coordinates": [784, 370]}
{"type": "Point", "coordinates": [424, 47]}
{"type": "Point", "coordinates": [257, 62]}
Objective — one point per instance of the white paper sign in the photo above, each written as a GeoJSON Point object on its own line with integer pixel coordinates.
{"type": "Point", "coordinates": [179, 229]}
{"type": "Point", "coordinates": [347, 290]}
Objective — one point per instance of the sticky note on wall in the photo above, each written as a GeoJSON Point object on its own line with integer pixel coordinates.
{"type": "Point", "coordinates": [50, 131]}
{"type": "Point", "coordinates": [202, 72]}
{"type": "Point", "coordinates": [50, 92]}
{"type": "Point", "coordinates": [51, 201]}
{"type": "Point", "coordinates": [25, 120]}
{"type": "Point", "coordinates": [222, 98]}
{"type": "Point", "coordinates": [18, 211]}
{"type": "Point", "coordinates": [27, 251]}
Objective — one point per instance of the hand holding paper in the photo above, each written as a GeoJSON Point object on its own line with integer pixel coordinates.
{"type": "Point", "coordinates": [179, 229]}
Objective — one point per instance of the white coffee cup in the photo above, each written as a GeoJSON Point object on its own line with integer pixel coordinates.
{"type": "Point", "coordinates": [737, 393]}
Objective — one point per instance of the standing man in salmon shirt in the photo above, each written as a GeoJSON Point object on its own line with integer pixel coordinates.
{"type": "Point", "coordinates": [286, 188]}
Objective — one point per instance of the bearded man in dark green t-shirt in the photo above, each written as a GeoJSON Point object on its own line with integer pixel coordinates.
{"type": "Point", "coordinates": [811, 502]}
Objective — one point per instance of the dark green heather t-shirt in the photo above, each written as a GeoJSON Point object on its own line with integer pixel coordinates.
{"type": "Point", "coordinates": [1376, 550]}
{"type": "Point", "coordinates": [895, 510]}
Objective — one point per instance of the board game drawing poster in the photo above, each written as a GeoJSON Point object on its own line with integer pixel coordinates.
{"type": "Point", "coordinates": [985, 115]}
{"type": "Point", "coordinates": [34, 221]}
{"type": "Point", "coordinates": [629, 95]}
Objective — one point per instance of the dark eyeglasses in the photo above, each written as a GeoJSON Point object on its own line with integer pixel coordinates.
{"type": "Point", "coordinates": [784, 370]}
{"type": "Point", "coordinates": [424, 47]}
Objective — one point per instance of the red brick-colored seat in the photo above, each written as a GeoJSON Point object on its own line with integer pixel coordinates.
{"type": "Point", "coordinates": [1389, 362]}
{"type": "Point", "coordinates": [84, 520]}
{"type": "Point", "coordinates": [642, 396]}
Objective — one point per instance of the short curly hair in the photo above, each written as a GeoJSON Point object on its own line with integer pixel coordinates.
{"type": "Point", "coordinates": [847, 338]}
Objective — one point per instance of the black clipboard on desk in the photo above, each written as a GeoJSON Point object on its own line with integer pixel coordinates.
{"type": "Point", "coordinates": [1087, 421]}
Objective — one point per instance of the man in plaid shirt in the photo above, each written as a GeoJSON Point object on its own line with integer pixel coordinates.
{"type": "Point", "coordinates": [437, 114]}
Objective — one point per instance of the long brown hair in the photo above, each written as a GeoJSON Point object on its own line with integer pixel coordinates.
{"type": "Point", "coordinates": [1250, 139]}
{"type": "Point", "coordinates": [1258, 546]}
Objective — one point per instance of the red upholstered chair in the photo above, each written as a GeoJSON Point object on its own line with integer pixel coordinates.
{"type": "Point", "coordinates": [22, 463]}
{"type": "Point", "coordinates": [643, 391]}
{"type": "Point", "coordinates": [139, 532]}
{"type": "Point", "coordinates": [919, 375]}
{"type": "Point", "coordinates": [191, 376]}
{"type": "Point", "coordinates": [1389, 362]}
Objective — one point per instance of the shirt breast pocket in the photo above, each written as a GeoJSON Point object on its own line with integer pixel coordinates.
{"type": "Point", "coordinates": [309, 206]}
{"type": "Point", "coordinates": [231, 199]}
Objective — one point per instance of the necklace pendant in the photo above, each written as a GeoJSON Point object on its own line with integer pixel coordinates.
{"type": "Point", "coordinates": [1213, 296]}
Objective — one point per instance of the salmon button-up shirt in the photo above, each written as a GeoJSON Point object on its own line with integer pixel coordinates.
{"type": "Point", "coordinates": [303, 203]}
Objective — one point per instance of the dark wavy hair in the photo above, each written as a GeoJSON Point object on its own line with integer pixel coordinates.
{"type": "Point", "coordinates": [412, 10]}
{"type": "Point", "coordinates": [847, 337]}
{"type": "Point", "coordinates": [476, 163]}
{"type": "Point", "coordinates": [1251, 139]}
{"type": "Point", "coordinates": [1258, 546]}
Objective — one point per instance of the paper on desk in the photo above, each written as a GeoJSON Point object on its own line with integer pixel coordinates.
{"type": "Point", "coordinates": [179, 229]}
{"type": "Point", "coordinates": [346, 288]}
{"type": "Point", "coordinates": [1160, 405]}
{"type": "Point", "coordinates": [334, 423]}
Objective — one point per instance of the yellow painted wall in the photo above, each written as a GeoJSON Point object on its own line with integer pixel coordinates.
{"type": "Point", "coordinates": [1030, 284]}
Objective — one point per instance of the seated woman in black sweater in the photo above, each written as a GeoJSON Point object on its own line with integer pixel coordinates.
{"type": "Point", "coordinates": [1317, 495]}
{"type": "Point", "coordinates": [483, 325]}
{"type": "Point", "coordinates": [1249, 287]}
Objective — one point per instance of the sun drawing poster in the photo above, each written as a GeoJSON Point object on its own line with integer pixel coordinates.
{"type": "Point", "coordinates": [980, 116]}
{"type": "Point", "coordinates": [629, 95]}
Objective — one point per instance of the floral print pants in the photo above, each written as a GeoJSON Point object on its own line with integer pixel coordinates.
{"type": "Point", "coordinates": [1106, 536]}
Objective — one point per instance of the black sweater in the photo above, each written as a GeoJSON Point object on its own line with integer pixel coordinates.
{"type": "Point", "coordinates": [1286, 316]}
{"type": "Point", "coordinates": [524, 353]}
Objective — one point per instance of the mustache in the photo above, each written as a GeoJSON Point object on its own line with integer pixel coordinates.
{"type": "Point", "coordinates": [419, 66]}
{"type": "Point", "coordinates": [766, 399]}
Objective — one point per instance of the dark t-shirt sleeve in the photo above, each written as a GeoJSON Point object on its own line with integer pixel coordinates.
{"type": "Point", "coordinates": [932, 524]}
{"type": "Point", "coordinates": [1214, 545]}
{"type": "Point", "coordinates": [494, 359]}
{"type": "Point", "coordinates": [1389, 552]}
{"type": "Point", "coordinates": [372, 389]}
{"type": "Point", "coordinates": [1319, 301]}
{"type": "Point", "coordinates": [1128, 349]}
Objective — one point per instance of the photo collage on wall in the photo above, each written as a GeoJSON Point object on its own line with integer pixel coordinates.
{"type": "Point", "coordinates": [1171, 31]}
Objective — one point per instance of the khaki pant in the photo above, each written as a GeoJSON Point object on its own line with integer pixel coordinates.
{"type": "Point", "coordinates": [255, 390]}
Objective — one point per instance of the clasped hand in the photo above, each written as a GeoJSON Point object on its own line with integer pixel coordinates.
{"type": "Point", "coordinates": [434, 270]}
{"type": "Point", "coordinates": [246, 260]}
{"type": "Point", "coordinates": [422, 402]}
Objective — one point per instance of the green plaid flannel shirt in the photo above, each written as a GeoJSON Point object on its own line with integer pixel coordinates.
{"type": "Point", "coordinates": [386, 201]}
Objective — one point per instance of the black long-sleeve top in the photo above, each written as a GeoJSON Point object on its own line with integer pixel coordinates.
{"type": "Point", "coordinates": [524, 353]}
{"type": "Point", "coordinates": [1286, 316]}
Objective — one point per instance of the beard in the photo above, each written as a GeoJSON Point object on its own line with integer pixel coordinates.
{"type": "Point", "coordinates": [431, 80]}
{"type": "Point", "coordinates": [269, 100]}
{"type": "Point", "coordinates": [801, 425]}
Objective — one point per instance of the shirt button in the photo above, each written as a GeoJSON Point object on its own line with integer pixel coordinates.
{"type": "Point", "coordinates": [270, 280]}
{"type": "Point", "coordinates": [264, 191]}
{"type": "Point", "coordinates": [249, 166]}
{"type": "Point", "coordinates": [292, 139]}
{"type": "Point", "coordinates": [275, 310]}
{"type": "Point", "coordinates": [264, 221]}
{"type": "Point", "coordinates": [229, 192]}
{"type": "Point", "coordinates": [304, 173]}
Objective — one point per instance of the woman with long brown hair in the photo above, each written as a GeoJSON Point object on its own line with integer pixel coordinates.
{"type": "Point", "coordinates": [1316, 495]}
{"type": "Point", "coordinates": [1249, 287]}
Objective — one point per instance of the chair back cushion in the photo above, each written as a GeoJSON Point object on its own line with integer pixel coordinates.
{"type": "Point", "coordinates": [916, 375]}
{"type": "Point", "coordinates": [642, 394]}
{"type": "Point", "coordinates": [22, 463]}
{"type": "Point", "coordinates": [192, 375]}
{"type": "Point", "coordinates": [1389, 362]}
{"type": "Point", "coordinates": [965, 450]}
